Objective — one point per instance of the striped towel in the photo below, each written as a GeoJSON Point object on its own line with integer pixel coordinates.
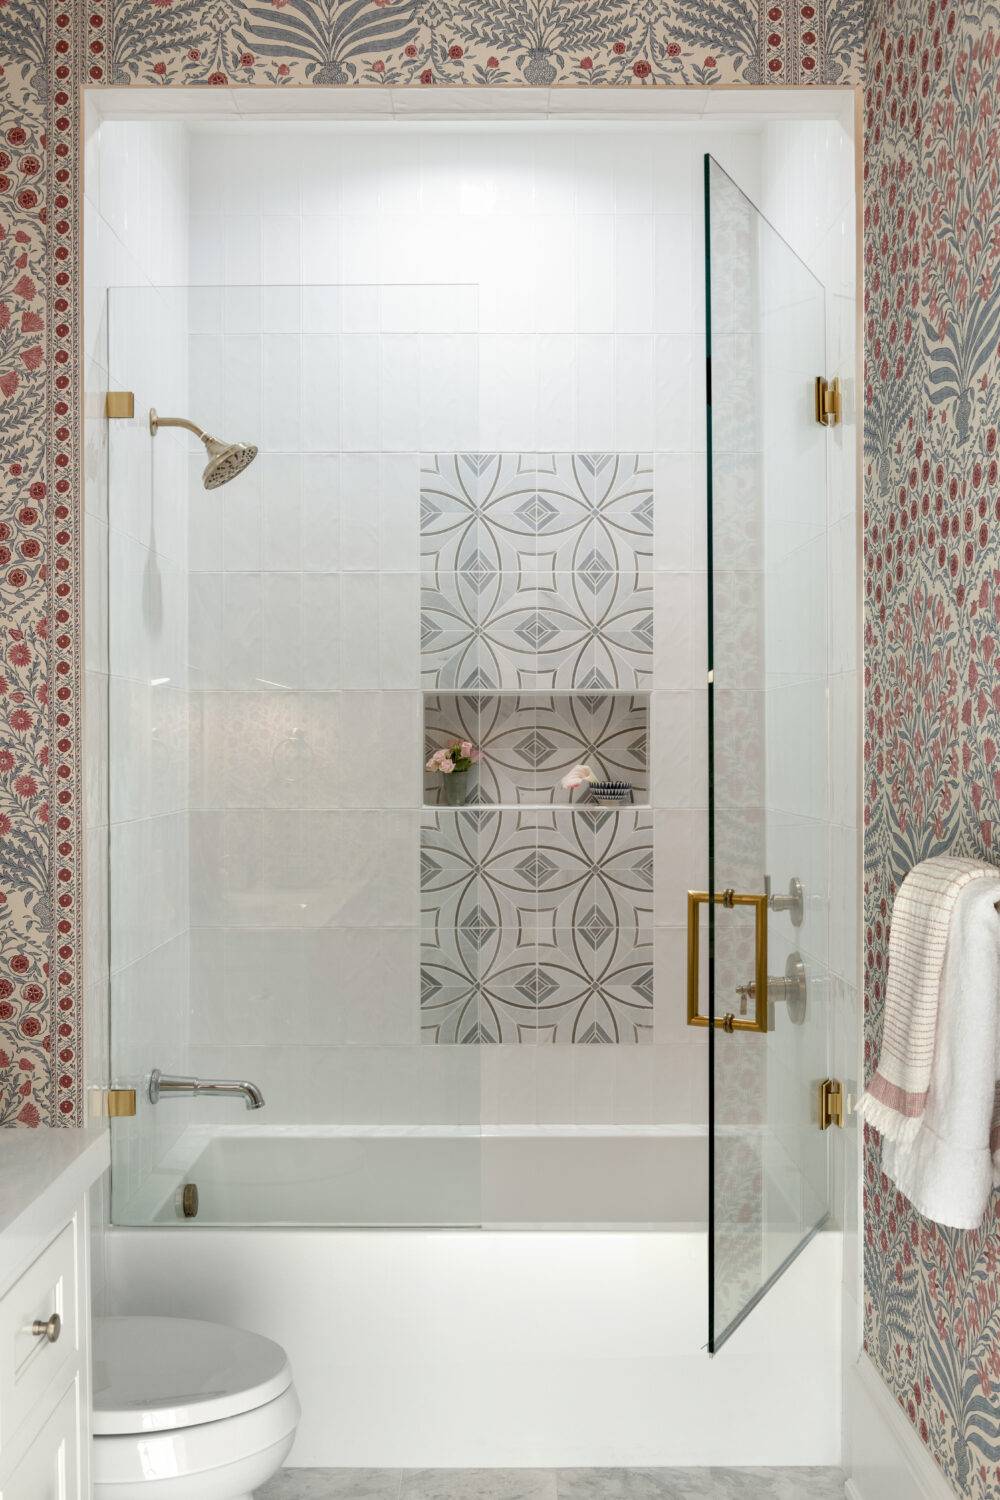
{"type": "Point", "coordinates": [933, 1096]}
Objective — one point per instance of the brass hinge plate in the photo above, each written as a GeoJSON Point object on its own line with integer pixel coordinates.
{"type": "Point", "coordinates": [119, 1103]}
{"type": "Point", "coordinates": [119, 404]}
{"type": "Point", "coordinates": [831, 1103]}
{"type": "Point", "coordinates": [827, 401]}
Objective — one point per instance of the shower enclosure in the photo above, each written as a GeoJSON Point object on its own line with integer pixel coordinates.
{"type": "Point", "coordinates": [525, 994]}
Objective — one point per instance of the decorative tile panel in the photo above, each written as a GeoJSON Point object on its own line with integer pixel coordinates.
{"type": "Point", "coordinates": [537, 926]}
{"type": "Point", "coordinates": [536, 571]}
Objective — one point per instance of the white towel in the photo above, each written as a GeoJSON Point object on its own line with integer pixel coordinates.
{"type": "Point", "coordinates": [942, 1139]}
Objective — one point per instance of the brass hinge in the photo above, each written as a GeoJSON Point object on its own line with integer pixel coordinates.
{"type": "Point", "coordinates": [119, 1103]}
{"type": "Point", "coordinates": [119, 404]}
{"type": "Point", "coordinates": [827, 401]}
{"type": "Point", "coordinates": [831, 1103]}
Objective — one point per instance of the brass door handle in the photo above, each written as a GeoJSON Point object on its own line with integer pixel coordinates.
{"type": "Point", "coordinates": [756, 990]}
{"type": "Point", "coordinates": [49, 1329]}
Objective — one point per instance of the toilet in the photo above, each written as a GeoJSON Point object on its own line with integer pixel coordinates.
{"type": "Point", "coordinates": [186, 1410]}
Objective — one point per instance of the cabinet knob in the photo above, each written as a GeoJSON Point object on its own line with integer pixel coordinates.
{"type": "Point", "coordinates": [49, 1330]}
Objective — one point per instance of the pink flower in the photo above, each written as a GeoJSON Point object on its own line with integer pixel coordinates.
{"type": "Point", "coordinates": [447, 766]}
{"type": "Point", "coordinates": [466, 749]}
{"type": "Point", "coordinates": [577, 777]}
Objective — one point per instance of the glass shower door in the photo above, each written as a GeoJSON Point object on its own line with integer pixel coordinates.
{"type": "Point", "coordinates": [766, 908]}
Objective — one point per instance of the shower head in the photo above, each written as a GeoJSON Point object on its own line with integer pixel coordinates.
{"type": "Point", "coordinates": [225, 460]}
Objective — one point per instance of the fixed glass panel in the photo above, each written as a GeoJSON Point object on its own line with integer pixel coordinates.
{"type": "Point", "coordinates": [266, 755]}
{"type": "Point", "coordinates": [767, 906]}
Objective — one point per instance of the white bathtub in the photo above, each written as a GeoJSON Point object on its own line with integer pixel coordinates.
{"type": "Point", "coordinates": [628, 1177]}
{"type": "Point", "coordinates": [448, 1348]}
{"type": "Point", "coordinates": [471, 1343]}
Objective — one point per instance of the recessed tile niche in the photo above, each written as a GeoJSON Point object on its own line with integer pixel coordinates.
{"type": "Point", "coordinates": [528, 742]}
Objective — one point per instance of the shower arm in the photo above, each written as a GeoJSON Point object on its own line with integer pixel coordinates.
{"type": "Point", "coordinates": [156, 422]}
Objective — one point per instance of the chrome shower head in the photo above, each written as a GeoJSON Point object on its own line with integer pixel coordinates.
{"type": "Point", "coordinates": [225, 460]}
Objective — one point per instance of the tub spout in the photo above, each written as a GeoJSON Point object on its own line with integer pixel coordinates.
{"type": "Point", "coordinates": [167, 1084]}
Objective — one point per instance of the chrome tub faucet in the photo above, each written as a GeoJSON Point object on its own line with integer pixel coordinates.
{"type": "Point", "coordinates": [163, 1085]}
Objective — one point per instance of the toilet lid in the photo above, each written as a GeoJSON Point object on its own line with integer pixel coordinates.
{"type": "Point", "coordinates": [155, 1374]}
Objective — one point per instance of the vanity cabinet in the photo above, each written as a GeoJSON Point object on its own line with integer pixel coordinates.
{"type": "Point", "coordinates": [44, 1375]}
{"type": "Point", "coordinates": [45, 1409]}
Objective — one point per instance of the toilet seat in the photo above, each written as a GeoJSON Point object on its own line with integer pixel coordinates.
{"type": "Point", "coordinates": [162, 1374]}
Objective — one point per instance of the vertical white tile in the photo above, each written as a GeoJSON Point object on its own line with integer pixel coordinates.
{"type": "Point", "coordinates": [399, 630]}
{"type": "Point", "coordinates": [320, 392]}
{"type": "Point", "coordinates": [323, 596]}
{"type": "Point", "coordinates": [595, 274]}
{"type": "Point", "coordinates": [633, 273]}
{"type": "Point", "coordinates": [359, 511]}
{"type": "Point", "coordinates": [595, 368]}
{"type": "Point", "coordinates": [359, 630]}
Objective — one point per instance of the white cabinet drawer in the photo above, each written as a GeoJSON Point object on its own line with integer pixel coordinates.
{"type": "Point", "coordinates": [50, 1469]}
{"type": "Point", "coordinates": [29, 1361]}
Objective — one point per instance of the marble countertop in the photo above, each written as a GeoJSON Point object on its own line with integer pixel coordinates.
{"type": "Point", "coordinates": [43, 1175]}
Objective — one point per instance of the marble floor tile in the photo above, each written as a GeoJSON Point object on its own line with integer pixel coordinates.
{"type": "Point", "coordinates": [620, 1484]}
{"type": "Point", "coordinates": [556, 1484]}
{"type": "Point", "coordinates": [770, 1484]}
{"type": "Point", "coordinates": [332, 1484]}
{"type": "Point", "coordinates": [478, 1484]}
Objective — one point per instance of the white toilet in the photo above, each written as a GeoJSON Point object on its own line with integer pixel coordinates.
{"type": "Point", "coordinates": [185, 1410]}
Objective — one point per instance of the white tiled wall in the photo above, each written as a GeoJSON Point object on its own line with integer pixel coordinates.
{"type": "Point", "coordinates": [387, 292]}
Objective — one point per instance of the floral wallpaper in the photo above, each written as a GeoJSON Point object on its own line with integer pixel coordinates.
{"type": "Point", "coordinates": [932, 539]}
{"type": "Point", "coordinates": [537, 42]}
{"type": "Point", "coordinates": [932, 562]}
{"type": "Point", "coordinates": [47, 51]}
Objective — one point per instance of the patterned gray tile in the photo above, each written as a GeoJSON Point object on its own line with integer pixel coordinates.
{"type": "Point", "coordinates": [536, 570]}
{"type": "Point", "coordinates": [623, 504]}
{"type": "Point", "coordinates": [622, 623]}
{"type": "Point", "coordinates": [332, 1484]}
{"type": "Point", "coordinates": [536, 925]}
{"type": "Point", "coordinates": [478, 1484]}
{"type": "Point", "coordinates": [450, 654]}
{"type": "Point", "coordinates": [449, 513]}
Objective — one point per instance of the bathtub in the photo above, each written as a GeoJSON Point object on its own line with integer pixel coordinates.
{"type": "Point", "coordinates": [452, 1348]}
{"type": "Point", "coordinates": [357, 1177]}
{"type": "Point", "coordinates": [474, 1325]}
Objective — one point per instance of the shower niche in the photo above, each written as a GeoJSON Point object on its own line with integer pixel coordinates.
{"type": "Point", "coordinates": [529, 741]}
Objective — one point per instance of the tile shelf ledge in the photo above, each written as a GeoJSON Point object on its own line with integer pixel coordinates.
{"type": "Point", "coordinates": [589, 807]}
{"type": "Point", "coordinates": [535, 692]}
